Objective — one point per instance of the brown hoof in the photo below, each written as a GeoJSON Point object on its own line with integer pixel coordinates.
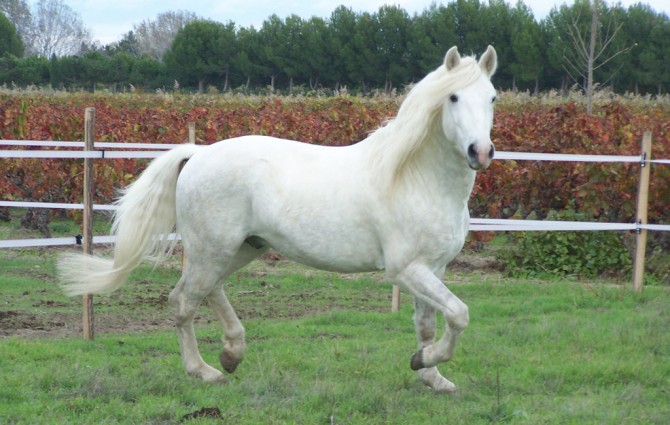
{"type": "Point", "coordinates": [417, 361]}
{"type": "Point", "coordinates": [229, 364]}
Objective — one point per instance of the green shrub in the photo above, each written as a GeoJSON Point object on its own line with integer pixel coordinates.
{"type": "Point", "coordinates": [557, 253]}
{"type": "Point", "coordinates": [657, 266]}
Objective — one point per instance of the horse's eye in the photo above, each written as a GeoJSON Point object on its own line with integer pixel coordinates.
{"type": "Point", "coordinates": [453, 98]}
{"type": "Point", "coordinates": [494, 99]}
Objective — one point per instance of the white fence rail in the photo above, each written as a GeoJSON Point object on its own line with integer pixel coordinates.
{"type": "Point", "coordinates": [103, 151]}
{"type": "Point", "coordinates": [476, 224]}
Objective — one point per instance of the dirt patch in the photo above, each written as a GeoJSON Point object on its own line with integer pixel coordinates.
{"type": "Point", "coordinates": [20, 323]}
{"type": "Point", "coordinates": [65, 325]}
{"type": "Point", "coordinates": [205, 412]}
{"type": "Point", "coordinates": [467, 261]}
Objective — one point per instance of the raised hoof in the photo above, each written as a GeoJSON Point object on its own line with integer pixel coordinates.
{"type": "Point", "coordinates": [229, 363]}
{"type": "Point", "coordinates": [417, 361]}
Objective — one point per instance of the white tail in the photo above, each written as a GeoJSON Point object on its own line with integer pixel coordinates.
{"type": "Point", "coordinates": [145, 217]}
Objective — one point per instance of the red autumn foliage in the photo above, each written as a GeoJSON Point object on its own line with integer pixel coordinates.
{"type": "Point", "coordinates": [604, 190]}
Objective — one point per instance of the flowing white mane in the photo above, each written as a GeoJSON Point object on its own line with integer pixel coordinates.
{"type": "Point", "coordinates": [418, 121]}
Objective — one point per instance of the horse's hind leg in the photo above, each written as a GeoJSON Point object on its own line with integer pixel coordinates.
{"type": "Point", "coordinates": [202, 280]}
{"type": "Point", "coordinates": [233, 331]}
{"type": "Point", "coordinates": [185, 299]}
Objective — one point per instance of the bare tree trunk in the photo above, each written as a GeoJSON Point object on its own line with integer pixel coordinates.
{"type": "Point", "coordinates": [587, 56]}
{"type": "Point", "coordinates": [591, 57]}
{"type": "Point", "coordinates": [388, 86]}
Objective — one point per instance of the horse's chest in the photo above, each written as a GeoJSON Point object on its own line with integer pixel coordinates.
{"type": "Point", "coordinates": [439, 232]}
{"type": "Point", "coordinates": [448, 232]}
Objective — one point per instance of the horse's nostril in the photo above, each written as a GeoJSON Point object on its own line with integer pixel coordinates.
{"type": "Point", "coordinates": [492, 152]}
{"type": "Point", "coordinates": [472, 151]}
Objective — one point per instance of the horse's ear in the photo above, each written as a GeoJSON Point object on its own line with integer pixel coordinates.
{"type": "Point", "coordinates": [452, 59]}
{"type": "Point", "coordinates": [489, 61]}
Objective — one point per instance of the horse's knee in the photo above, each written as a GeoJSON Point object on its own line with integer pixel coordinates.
{"type": "Point", "coordinates": [460, 318]}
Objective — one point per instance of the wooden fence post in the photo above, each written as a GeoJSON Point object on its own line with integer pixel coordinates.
{"type": "Point", "coordinates": [642, 202]}
{"type": "Point", "coordinates": [87, 240]}
{"type": "Point", "coordinates": [395, 299]}
{"type": "Point", "coordinates": [191, 133]}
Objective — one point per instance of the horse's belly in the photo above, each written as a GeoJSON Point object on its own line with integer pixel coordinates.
{"type": "Point", "coordinates": [346, 252]}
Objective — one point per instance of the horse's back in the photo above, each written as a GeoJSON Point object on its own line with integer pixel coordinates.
{"type": "Point", "coordinates": [262, 165]}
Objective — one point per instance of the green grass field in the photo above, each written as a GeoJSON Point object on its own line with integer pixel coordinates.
{"type": "Point", "coordinates": [324, 349]}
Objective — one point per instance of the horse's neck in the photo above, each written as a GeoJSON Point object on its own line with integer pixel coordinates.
{"type": "Point", "coordinates": [433, 170]}
{"type": "Point", "coordinates": [445, 174]}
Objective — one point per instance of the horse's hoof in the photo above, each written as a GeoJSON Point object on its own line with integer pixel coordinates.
{"type": "Point", "coordinates": [229, 363]}
{"type": "Point", "coordinates": [215, 379]}
{"type": "Point", "coordinates": [438, 383]}
{"type": "Point", "coordinates": [208, 374]}
{"type": "Point", "coordinates": [444, 387]}
{"type": "Point", "coordinates": [417, 361]}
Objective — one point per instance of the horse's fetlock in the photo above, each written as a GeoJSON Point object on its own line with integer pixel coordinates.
{"type": "Point", "coordinates": [235, 336]}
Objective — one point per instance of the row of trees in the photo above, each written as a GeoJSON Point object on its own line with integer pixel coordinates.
{"type": "Point", "coordinates": [629, 49]}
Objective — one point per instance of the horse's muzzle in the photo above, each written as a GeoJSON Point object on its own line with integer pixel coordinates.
{"type": "Point", "coordinates": [480, 155]}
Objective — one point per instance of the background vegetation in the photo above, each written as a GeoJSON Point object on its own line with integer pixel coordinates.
{"type": "Point", "coordinates": [361, 51]}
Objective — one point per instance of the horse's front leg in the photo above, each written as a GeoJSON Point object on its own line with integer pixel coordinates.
{"type": "Point", "coordinates": [431, 294]}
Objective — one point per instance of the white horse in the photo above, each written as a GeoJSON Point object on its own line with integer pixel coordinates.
{"type": "Point", "coordinates": [396, 201]}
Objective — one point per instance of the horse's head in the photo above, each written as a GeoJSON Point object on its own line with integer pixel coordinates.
{"type": "Point", "coordinates": [467, 111]}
